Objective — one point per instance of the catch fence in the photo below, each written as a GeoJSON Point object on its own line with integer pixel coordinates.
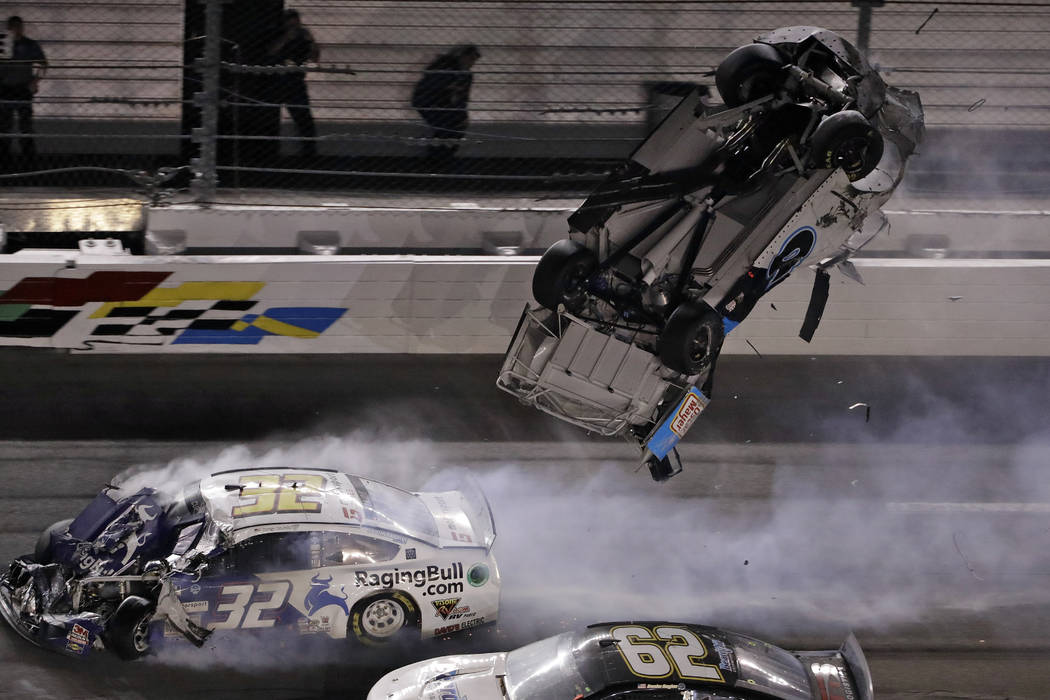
{"type": "Point", "coordinates": [198, 97]}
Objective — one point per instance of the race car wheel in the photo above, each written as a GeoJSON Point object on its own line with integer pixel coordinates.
{"type": "Point", "coordinates": [847, 140]}
{"type": "Point", "coordinates": [127, 633]}
{"type": "Point", "coordinates": [42, 552]}
{"type": "Point", "coordinates": [748, 73]}
{"type": "Point", "coordinates": [691, 338]}
{"type": "Point", "coordinates": [383, 618]}
{"type": "Point", "coordinates": [561, 274]}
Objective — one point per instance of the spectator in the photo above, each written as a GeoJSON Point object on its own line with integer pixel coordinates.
{"type": "Point", "coordinates": [294, 47]}
{"type": "Point", "coordinates": [441, 98]}
{"type": "Point", "coordinates": [19, 79]}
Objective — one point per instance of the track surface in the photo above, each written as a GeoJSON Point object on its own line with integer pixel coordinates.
{"type": "Point", "coordinates": [924, 529]}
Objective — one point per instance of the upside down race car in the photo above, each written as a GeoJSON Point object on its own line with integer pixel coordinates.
{"type": "Point", "coordinates": [638, 661]}
{"type": "Point", "coordinates": [313, 551]}
{"type": "Point", "coordinates": [715, 208]}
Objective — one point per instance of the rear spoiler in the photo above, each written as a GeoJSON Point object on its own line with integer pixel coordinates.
{"type": "Point", "coordinates": [477, 508]}
{"type": "Point", "coordinates": [858, 667]}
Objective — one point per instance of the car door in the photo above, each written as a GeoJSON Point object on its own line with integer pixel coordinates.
{"type": "Point", "coordinates": [344, 560]}
{"type": "Point", "coordinates": [249, 585]}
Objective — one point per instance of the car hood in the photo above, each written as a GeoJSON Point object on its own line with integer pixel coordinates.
{"type": "Point", "coordinates": [476, 676]}
{"type": "Point", "coordinates": [118, 528]}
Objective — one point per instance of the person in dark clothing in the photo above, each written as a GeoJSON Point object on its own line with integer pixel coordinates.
{"type": "Point", "coordinates": [294, 47]}
{"type": "Point", "coordinates": [20, 76]}
{"type": "Point", "coordinates": [441, 98]}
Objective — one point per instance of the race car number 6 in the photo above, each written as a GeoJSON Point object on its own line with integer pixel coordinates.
{"type": "Point", "coordinates": [656, 653]}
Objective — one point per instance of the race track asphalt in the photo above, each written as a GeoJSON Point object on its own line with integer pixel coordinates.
{"type": "Point", "coordinates": [924, 528]}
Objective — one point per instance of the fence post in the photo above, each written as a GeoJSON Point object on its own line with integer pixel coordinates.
{"type": "Point", "coordinates": [205, 177]}
{"type": "Point", "coordinates": [864, 23]}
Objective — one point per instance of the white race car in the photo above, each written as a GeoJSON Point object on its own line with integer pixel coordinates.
{"type": "Point", "coordinates": [718, 206]}
{"type": "Point", "coordinates": [638, 661]}
{"type": "Point", "coordinates": [314, 551]}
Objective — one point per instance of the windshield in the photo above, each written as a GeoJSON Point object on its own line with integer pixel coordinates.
{"type": "Point", "coordinates": [545, 670]}
{"type": "Point", "coordinates": [393, 509]}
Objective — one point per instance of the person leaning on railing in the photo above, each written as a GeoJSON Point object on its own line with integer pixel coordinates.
{"type": "Point", "coordinates": [20, 75]}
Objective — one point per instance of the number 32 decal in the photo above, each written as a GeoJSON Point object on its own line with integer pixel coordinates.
{"type": "Point", "coordinates": [252, 605]}
{"type": "Point", "coordinates": [664, 651]}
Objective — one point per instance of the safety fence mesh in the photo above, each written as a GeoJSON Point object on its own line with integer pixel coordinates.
{"type": "Point", "coordinates": [556, 92]}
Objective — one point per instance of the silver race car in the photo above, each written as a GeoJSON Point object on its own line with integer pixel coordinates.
{"type": "Point", "coordinates": [306, 551]}
{"type": "Point", "coordinates": [638, 661]}
{"type": "Point", "coordinates": [716, 207]}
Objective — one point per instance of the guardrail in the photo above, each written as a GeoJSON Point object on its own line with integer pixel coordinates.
{"type": "Point", "coordinates": [90, 302]}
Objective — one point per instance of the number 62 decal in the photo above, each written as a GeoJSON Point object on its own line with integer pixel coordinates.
{"type": "Point", "coordinates": [663, 651]}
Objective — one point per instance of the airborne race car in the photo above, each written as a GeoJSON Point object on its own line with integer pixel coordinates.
{"type": "Point", "coordinates": [313, 551]}
{"type": "Point", "coordinates": [638, 661]}
{"type": "Point", "coordinates": [718, 206]}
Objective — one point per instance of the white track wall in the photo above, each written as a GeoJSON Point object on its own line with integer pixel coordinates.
{"type": "Point", "coordinates": [460, 304]}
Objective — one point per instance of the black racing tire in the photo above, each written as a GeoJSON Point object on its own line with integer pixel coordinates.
{"type": "Point", "coordinates": [561, 274]}
{"type": "Point", "coordinates": [42, 552]}
{"type": "Point", "coordinates": [383, 618]}
{"type": "Point", "coordinates": [127, 632]}
{"type": "Point", "coordinates": [846, 140]}
{"type": "Point", "coordinates": [691, 339]}
{"type": "Point", "coordinates": [748, 73]}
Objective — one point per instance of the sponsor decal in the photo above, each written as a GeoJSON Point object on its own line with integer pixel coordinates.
{"type": "Point", "coordinates": [478, 574]}
{"type": "Point", "coordinates": [78, 639]}
{"type": "Point", "coordinates": [410, 553]}
{"type": "Point", "coordinates": [445, 606]}
{"type": "Point", "coordinates": [686, 414]}
{"type": "Point", "coordinates": [675, 425]}
{"type": "Point", "coordinates": [726, 657]}
{"type": "Point", "coordinates": [351, 514]}
{"type": "Point", "coordinates": [196, 606]}
{"type": "Point", "coordinates": [195, 589]}
{"type": "Point", "coordinates": [465, 625]}
{"type": "Point", "coordinates": [447, 609]}
{"type": "Point", "coordinates": [432, 579]}
{"type": "Point", "coordinates": [309, 626]}
{"type": "Point", "coordinates": [320, 597]}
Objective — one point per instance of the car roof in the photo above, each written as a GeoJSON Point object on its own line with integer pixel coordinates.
{"type": "Point", "coordinates": [254, 500]}
{"type": "Point", "coordinates": [739, 661]}
{"type": "Point", "coordinates": [600, 662]}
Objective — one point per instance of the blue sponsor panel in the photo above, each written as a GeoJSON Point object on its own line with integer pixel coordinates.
{"type": "Point", "coordinates": [677, 423]}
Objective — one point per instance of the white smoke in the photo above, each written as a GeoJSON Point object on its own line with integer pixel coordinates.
{"type": "Point", "coordinates": [811, 560]}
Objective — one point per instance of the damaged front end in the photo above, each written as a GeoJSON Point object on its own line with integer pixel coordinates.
{"type": "Point", "coordinates": [101, 579]}
{"type": "Point", "coordinates": [35, 600]}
